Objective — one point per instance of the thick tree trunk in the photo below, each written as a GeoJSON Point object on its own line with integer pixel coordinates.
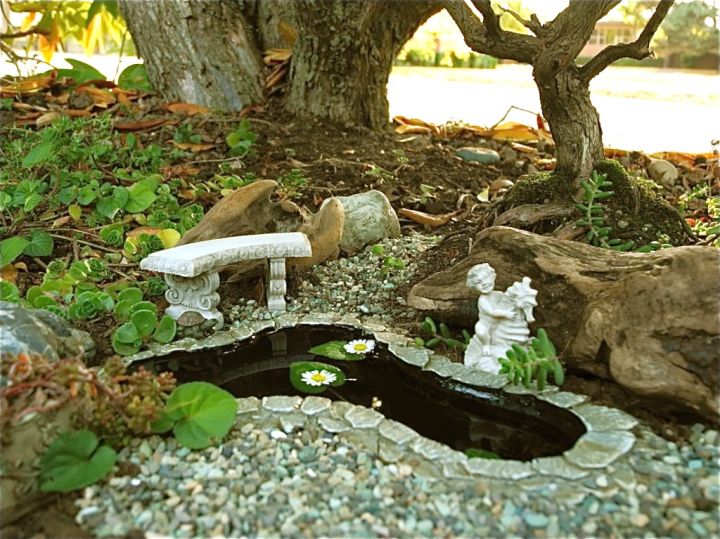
{"type": "Point", "coordinates": [574, 122]}
{"type": "Point", "coordinates": [344, 54]}
{"type": "Point", "coordinates": [199, 51]}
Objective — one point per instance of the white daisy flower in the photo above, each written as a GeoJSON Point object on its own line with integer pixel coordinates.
{"type": "Point", "coordinates": [360, 346]}
{"type": "Point", "coordinates": [318, 378]}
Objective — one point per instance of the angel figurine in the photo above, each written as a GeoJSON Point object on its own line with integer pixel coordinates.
{"type": "Point", "coordinates": [503, 318]}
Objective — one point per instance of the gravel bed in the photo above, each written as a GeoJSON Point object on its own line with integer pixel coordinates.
{"type": "Point", "coordinates": [359, 285]}
{"type": "Point", "coordinates": [308, 483]}
{"type": "Point", "coordinates": [311, 484]}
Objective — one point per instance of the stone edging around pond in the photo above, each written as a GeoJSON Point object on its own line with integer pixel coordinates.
{"type": "Point", "coordinates": [608, 435]}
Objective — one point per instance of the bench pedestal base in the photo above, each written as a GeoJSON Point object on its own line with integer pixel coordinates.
{"type": "Point", "coordinates": [194, 297]}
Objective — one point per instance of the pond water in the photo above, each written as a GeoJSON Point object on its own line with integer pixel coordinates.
{"type": "Point", "coordinates": [458, 415]}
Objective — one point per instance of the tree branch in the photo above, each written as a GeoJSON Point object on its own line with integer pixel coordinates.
{"type": "Point", "coordinates": [533, 24]}
{"type": "Point", "coordinates": [24, 33]}
{"type": "Point", "coordinates": [486, 36]}
{"type": "Point", "coordinates": [638, 49]}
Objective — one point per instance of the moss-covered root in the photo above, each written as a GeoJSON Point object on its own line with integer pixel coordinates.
{"type": "Point", "coordinates": [635, 212]}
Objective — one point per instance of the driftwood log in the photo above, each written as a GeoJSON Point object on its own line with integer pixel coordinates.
{"type": "Point", "coordinates": [650, 322]}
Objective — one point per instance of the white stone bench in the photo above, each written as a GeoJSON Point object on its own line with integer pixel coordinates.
{"type": "Point", "coordinates": [191, 270]}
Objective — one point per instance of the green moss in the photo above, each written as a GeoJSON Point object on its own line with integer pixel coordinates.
{"type": "Point", "coordinates": [540, 188]}
{"type": "Point", "coordinates": [635, 211]}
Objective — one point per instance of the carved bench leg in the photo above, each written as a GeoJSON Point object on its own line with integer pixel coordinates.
{"type": "Point", "coordinates": [193, 299]}
{"type": "Point", "coordinates": [276, 285]}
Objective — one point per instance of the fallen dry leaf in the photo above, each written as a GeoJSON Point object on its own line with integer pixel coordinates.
{"type": "Point", "coordinates": [142, 230]}
{"type": "Point", "coordinates": [427, 219]}
{"type": "Point", "coordinates": [77, 113]}
{"type": "Point", "coordinates": [179, 170]}
{"type": "Point", "coordinates": [101, 98]}
{"type": "Point", "coordinates": [140, 125]}
{"type": "Point", "coordinates": [272, 56]}
{"type": "Point", "coordinates": [189, 109]}
{"type": "Point", "coordinates": [29, 85]}
{"type": "Point", "coordinates": [194, 148]}
{"type": "Point", "coordinates": [8, 273]}
{"type": "Point", "coordinates": [60, 221]}
{"type": "Point", "coordinates": [47, 118]}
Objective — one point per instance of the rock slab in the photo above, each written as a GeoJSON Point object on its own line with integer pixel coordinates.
{"type": "Point", "coordinates": [369, 218]}
{"type": "Point", "coordinates": [651, 322]}
{"type": "Point", "coordinates": [37, 331]}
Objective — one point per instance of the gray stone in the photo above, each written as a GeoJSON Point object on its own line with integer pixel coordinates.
{"type": "Point", "coordinates": [431, 449]}
{"type": "Point", "coordinates": [503, 469]}
{"type": "Point", "coordinates": [412, 355]}
{"type": "Point", "coordinates": [396, 432]}
{"type": "Point", "coordinates": [292, 421]}
{"type": "Point", "coordinates": [248, 404]}
{"type": "Point", "coordinates": [314, 405]}
{"type": "Point", "coordinates": [319, 319]}
{"type": "Point", "coordinates": [363, 418]}
{"type": "Point", "coordinates": [601, 418]}
{"type": "Point", "coordinates": [37, 331]}
{"type": "Point", "coordinates": [563, 399]}
{"type": "Point", "coordinates": [559, 467]}
{"type": "Point", "coordinates": [369, 218]}
{"type": "Point", "coordinates": [333, 425]}
{"type": "Point", "coordinates": [390, 451]}
{"type": "Point", "coordinates": [520, 389]}
{"type": "Point", "coordinates": [281, 404]}
{"type": "Point", "coordinates": [442, 366]}
{"type": "Point", "coordinates": [485, 156]}
{"type": "Point", "coordinates": [599, 449]}
{"type": "Point", "coordinates": [475, 377]}
{"type": "Point", "coordinates": [391, 338]}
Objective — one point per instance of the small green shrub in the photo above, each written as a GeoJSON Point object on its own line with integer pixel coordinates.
{"type": "Point", "coordinates": [439, 334]}
{"type": "Point", "coordinates": [533, 364]}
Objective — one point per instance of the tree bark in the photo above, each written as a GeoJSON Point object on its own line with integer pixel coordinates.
{"type": "Point", "coordinates": [574, 121]}
{"type": "Point", "coordinates": [552, 51]}
{"type": "Point", "coordinates": [344, 54]}
{"type": "Point", "coordinates": [198, 51]}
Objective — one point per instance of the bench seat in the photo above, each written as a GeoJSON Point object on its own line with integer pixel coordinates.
{"type": "Point", "coordinates": [191, 271]}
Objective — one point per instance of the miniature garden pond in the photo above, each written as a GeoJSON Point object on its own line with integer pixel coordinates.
{"type": "Point", "coordinates": [516, 427]}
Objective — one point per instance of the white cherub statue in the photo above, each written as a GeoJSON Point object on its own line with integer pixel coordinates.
{"type": "Point", "coordinates": [503, 318]}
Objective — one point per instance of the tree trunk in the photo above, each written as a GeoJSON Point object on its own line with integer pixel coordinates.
{"type": "Point", "coordinates": [344, 54]}
{"type": "Point", "coordinates": [574, 122]}
{"type": "Point", "coordinates": [198, 51]}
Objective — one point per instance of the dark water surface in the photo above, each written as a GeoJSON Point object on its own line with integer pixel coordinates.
{"type": "Point", "coordinates": [461, 416]}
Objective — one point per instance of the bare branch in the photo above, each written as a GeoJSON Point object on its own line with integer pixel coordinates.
{"type": "Point", "coordinates": [533, 24]}
{"type": "Point", "coordinates": [24, 33]}
{"type": "Point", "coordinates": [638, 49]}
{"type": "Point", "coordinates": [566, 35]}
{"type": "Point", "coordinates": [486, 36]}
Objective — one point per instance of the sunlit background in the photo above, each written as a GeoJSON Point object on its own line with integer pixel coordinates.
{"type": "Point", "coordinates": [670, 102]}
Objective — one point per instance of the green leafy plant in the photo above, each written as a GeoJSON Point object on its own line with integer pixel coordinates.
{"type": "Point", "coordinates": [595, 189]}
{"type": "Point", "coordinates": [314, 377]}
{"type": "Point", "coordinates": [75, 460]}
{"type": "Point", "coordinates": [134, 77]}
{"type": "Point", "coordinates": [38, 243]}
{"type": "Point", "coordinates": [142, 326]}
{"type": "Point", "coordinates": [198, 413]}
{"type": "Point", "coordinates": [388, 262]}
{"type": "Point", "coordinates": [90, 304]}
{"type": "Point", "coordinates": [113, 235]}
{"type": "Point", "coordinates": [439, 334]}
{"type": "Point", "coordinates": [292, 182]}
{"type": "Point", "coordinates": [536, 363]}
{"type": "Point", "coordinates": [336, 350]}
{"type": "Point", "coordinates": [240, 140]}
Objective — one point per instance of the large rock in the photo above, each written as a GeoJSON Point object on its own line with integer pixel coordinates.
{"type": "Point", "coordinates": [37, 331]}
{"type": "Point", "coordinates": [369, 218]}
{"type": "Point", "coordinates": [649, 321]}
{"type": "Point", "coordinates": [324, 231]}
{"type": "Point", "coordinates": [247, 210]}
